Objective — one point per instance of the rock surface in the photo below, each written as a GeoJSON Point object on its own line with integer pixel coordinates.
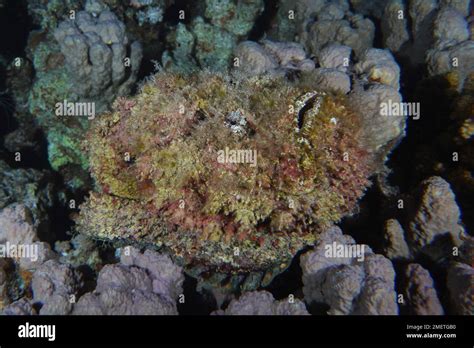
{"type": "Point", "coordinates": [356, 284]}
{"type": "Point", "coordinates": [434, 228]}
{"type": "Point", "coordinates": [142, 284]}
{"type": "Point", "coordinates": [420, 293]}
{"type": "Point", "coordinates": [55, 286]}
{"type": "Point", "coordinates": [395, 248]}
{"type": "Point", "coordinates": [263, 303]}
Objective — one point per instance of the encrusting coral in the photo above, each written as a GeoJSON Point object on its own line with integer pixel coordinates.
{"type": "Point", "coordinates": [89, 58]}
{"type": "Point", "coordinates": [229, 174]}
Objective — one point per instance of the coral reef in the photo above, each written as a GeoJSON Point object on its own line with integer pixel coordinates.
{"type": "Point", "coordinates": [394, 25]}
{"type": "Point", "coordinates": [142, 284]}
{"type": "Point", "coordinates": [378, 65]}
{"type": "Point", "coordinates": [460, 280]}
{"type": "Point", "coordinates": [95, 51]}
{"type": "Point", "coordinates": [4, 298]}
{"type": "Point", "coordinates": [382, 133]}
{"type": "Point", "coordinates": [181, 56]}
{"type": "Point", "coordinates": [335, 56]}
{"type": "Point", "coordinates": [435, 32]}
{"type": "Point", "coordinates": [167, 278]}
{"type": "Point", "coordinates": [349, 285]}
{"type": "Point", "coordinates": [275, 58]}
{"type": "Point", "coordinates": [17, 229]}
{"type": "Point", "coordinates": [20, 307]}
{"type": "Point", "coordinates": [263, 303]}
{"type": "Point", "coordinates": [47, 14]}
{"type": "Point", "coordinates": [420, 293]}
{"type": "Point", "coordinates": [27, 197]}
{"type": "Point", "coordinates": [435, 228]}
{"type": "Point", "coordinates": [149, 11]}
{"type": "Point", "coordinates": [373, 81]}
{"type": "Point", "coordinates": [18, 82]}
{"type": "Point", "coordinates": [123, 291]}
{"type": "Point", "coordinates": [220, 144]}
{"type": "Point", "coordinates": [55, 286]}
{"type": "Point", "coordinates": [209, 40]}
{"type": "Point", "coordinates": [332, 80]}
{"type": "Point", "coordinates": [79, 251]}
{"type": "Point", "coordinates": [30, 187]}
{"type": "Point", "coordinates": [432, 225]}
{"type": "Point", "coordinates": [92, 62]}
{"type": "Point", "coordinates": [142, 18]}
{"type": "Point", "coordinates": [395, 246]}
{"type": "Point", "coordinates": [461, 290]}
{"type": "Point", "coordinates": [373, 8]}
{"type": "Point", "coordinates": [316, 24]}
{"type": "Point", "coordinates": [452, 48]}
{"type": "Point", "coordinates": [449, 152]}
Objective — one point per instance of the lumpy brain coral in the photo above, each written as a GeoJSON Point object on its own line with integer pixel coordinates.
{"type": "Point", "coordinates": [228, 174]}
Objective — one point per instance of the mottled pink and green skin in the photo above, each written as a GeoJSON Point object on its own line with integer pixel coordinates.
{"type": "Point", "coordinates": [226, 217]}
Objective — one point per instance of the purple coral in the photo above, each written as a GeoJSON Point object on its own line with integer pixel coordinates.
{"type": "Point", "coordinates": [362, 284]}
{"type": "Point", "coordinates": [142, 284]}
{"type": "Point", "coordinates": [263, 303]}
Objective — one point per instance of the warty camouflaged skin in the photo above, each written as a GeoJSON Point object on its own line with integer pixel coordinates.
{"type": "Point", "coordinates": [163, 181]}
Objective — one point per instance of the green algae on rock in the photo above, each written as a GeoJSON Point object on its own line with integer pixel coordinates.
{"type": "Point", "coordinates": [231, 175]}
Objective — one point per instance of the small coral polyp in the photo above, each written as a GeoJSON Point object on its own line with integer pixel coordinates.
{"type": "Point", "coordinates": [175, 169]}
